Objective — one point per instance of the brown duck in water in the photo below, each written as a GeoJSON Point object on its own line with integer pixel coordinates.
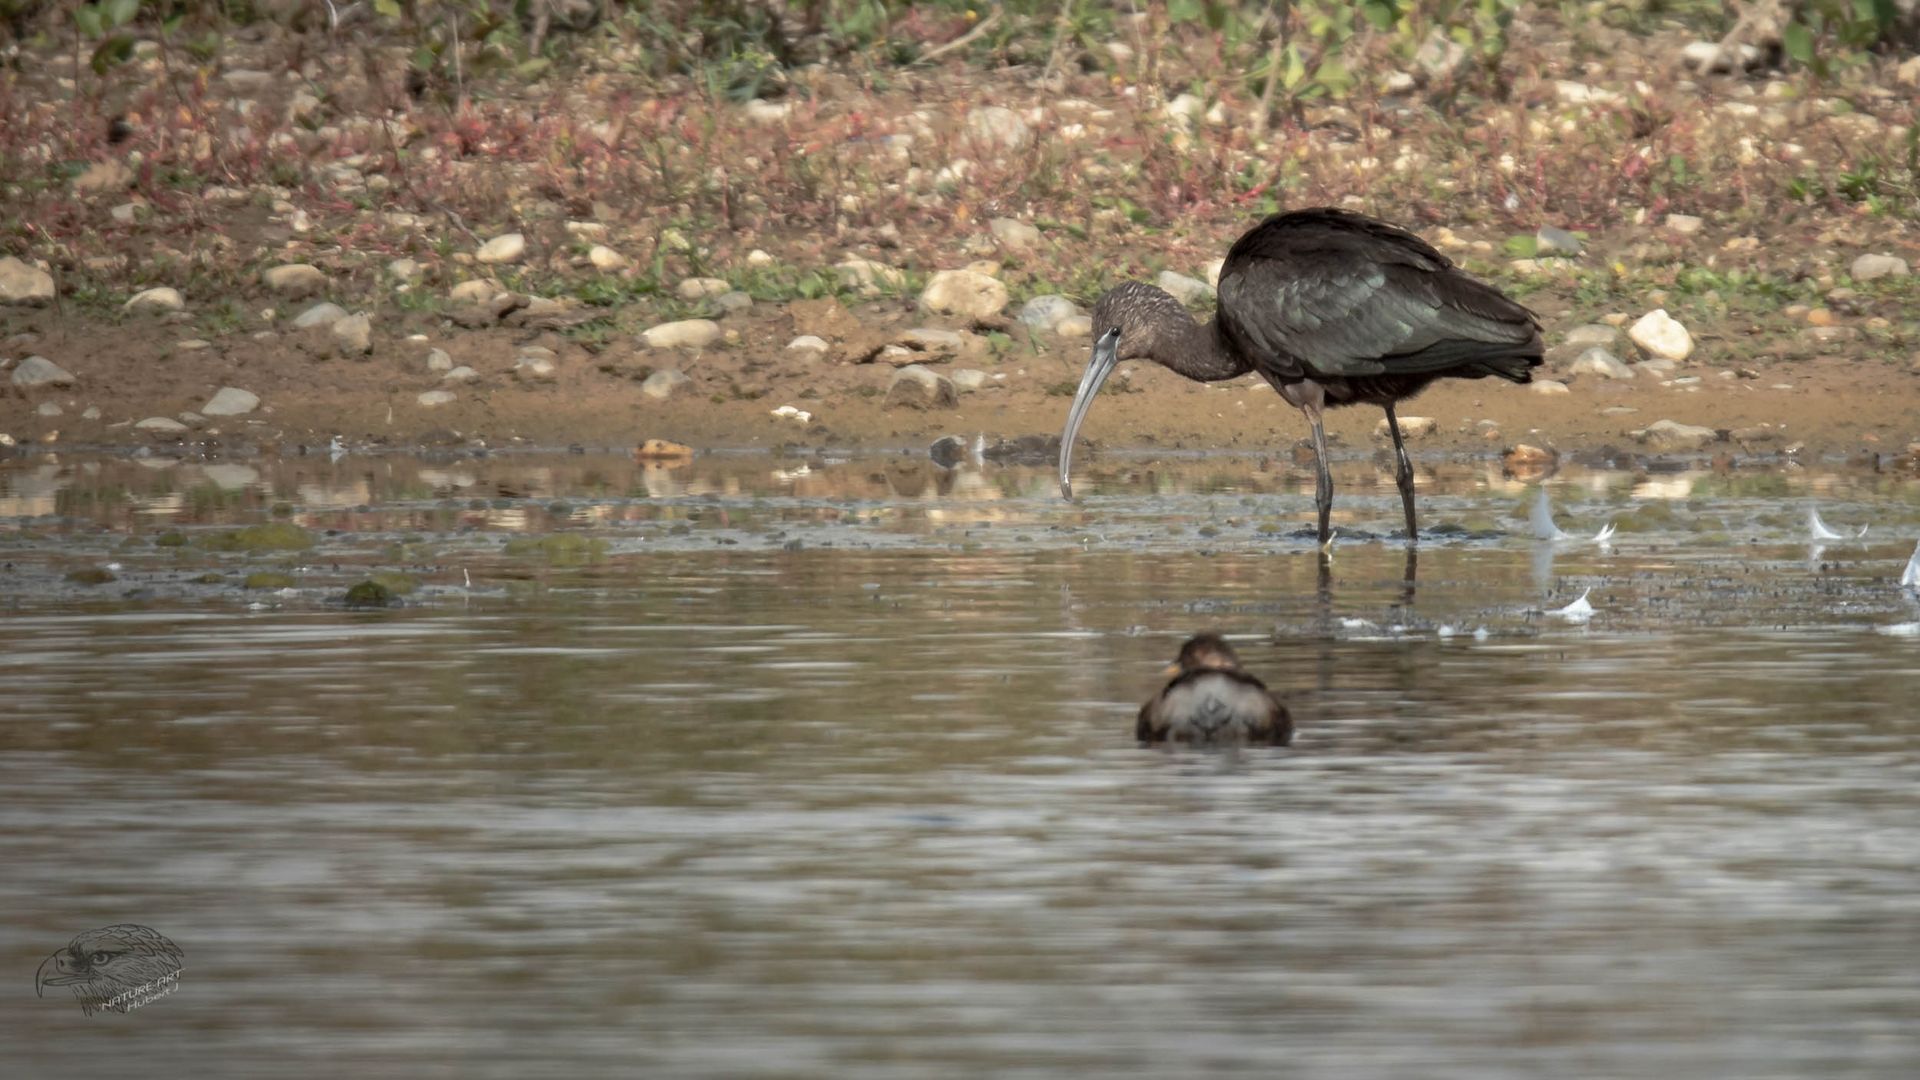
{"type": "Point", "coordinates": [1210, 700]}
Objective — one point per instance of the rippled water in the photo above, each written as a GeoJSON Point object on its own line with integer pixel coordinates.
{"type": "Point", "coordinates": [798, 769]}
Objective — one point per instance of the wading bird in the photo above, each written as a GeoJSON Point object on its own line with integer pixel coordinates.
{"type": "Point", "coordinates": [1332, 308]}
{"type": "Point", "coordinates": [1211, 700]}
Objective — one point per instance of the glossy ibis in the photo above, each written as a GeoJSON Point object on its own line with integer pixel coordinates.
{"type": "Point", "coordinates": [1332, 308]}
{"type": "Point", "coordinates": [1211, 700]}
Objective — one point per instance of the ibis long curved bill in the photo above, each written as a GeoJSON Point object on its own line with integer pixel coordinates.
{"type": "Point", "coordinates": [1106, 354]}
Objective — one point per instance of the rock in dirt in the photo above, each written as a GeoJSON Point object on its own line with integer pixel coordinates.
{"type": "Point", "coordinates": [433, 399]}
{"type": "Point", "coordinates": [36, 372]}
{"type": "Point", "coordinates": [1592, 334]}
{"type": "Point", "coordinates": [869, 276]}
{"type": "Point", "coordinates": [1075, 326]}
{"type": "Point", "coordinates": [439, 360]}
{"type": "Point", "coordinates": [529, 367]}
{"type": "Point", "coordinates": [808, 343]}
{"type": "Point", "coordinates": [1598, 361]}
{"type": "Point", "coordinates": [502, 249]}
{"type": "Point", "coordinates": [24, 283]}
{"type": "Point", "coordinates": [230, 401]}
{"type": "Point", "coordinates": [353, 335]}
{"type": "Point", "coordinates": [472, 292]}
{"type": "Point", "coordinates": [605, 258]}
{"type": "Point", "coordinates": [968, 380]}
{"type": "Point", "coordinates": [1548, 386]}
{"type": "Point", "coordinates": [1671, 435]}
{"type": "Point", "coordinates": [295, 280]}
{"type": "Point", "coordinates": [162, 426]}
{"type": "Point", "coordinates": [1658, 334]}
{"type": "Point", "coordinates": [1048, 312]}
{"type": "Point", "coordinates": [999, 127]}
{"type": "Point", "coordinates": [685, 334]}
{"type": "Point", "coordinates": [161, 299]}
{"type": "Point", "coordinates": [700, 288]}
{"type": "Point", "coordinates": [319, 315]}
{"type": "Point", "coordinates": [1552, 240]}
{"type": "Point", "coordinates": [1185, 289]}
{"type": "Point", "coordinates": [661, 384]}
{"type": "Point", "coordinates": [1411, 427]}
{"type": "Point", "coordinates": [966, 293]}
{"type": "Point", "coordinates": [460, 375]}
{"type": "Point", "coordinates": [1014, 235]}
{"type": "Point", "coordinates": [1873, 267]}
{"type": "Point", "coordinates": [917, 387]}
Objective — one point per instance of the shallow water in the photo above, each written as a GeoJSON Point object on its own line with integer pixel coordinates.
{"type": "Point", "coordinates": [791, 768]}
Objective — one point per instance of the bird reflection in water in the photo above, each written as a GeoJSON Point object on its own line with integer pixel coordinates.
{"type": "Point", "coordinates": [1211, 700]}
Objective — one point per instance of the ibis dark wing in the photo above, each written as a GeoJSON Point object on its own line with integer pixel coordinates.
{"type": "Point", "coordinates": [1328, 293]}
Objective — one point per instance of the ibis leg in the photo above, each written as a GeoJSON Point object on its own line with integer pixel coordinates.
{"type": "Point", "coordinates": [1403, 475]}
{"type": "Point", "coordinates": [1323, 488]}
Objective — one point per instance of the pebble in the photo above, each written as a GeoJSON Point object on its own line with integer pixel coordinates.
{"type": "Point", "coordinates": [430, 399]}
{"type": "Point", "coordinates": [160, 299]}
{"type": "Point", "coordinates": [999, 127]}
{"type": "Point", "coordinates": [1014, 235]}
{"type": "Point", "coordinates": [295, 280]}
{"type": "Point", "coordinates": [37, 371]}
{"type": "Point", "coordinates": [1411, 427]}
{"type": "Point", "coordinates": [24, 283]}
{"type": "Point", "coordinates": [461, 374]}
{"type": "Point", "coordinates": [968, 380]}
{"type": "Point", "coordinates": [404, 270]}
{"type": "Point", "coordinates": [1659, 334]}
{"type": "Point", "coordinates": [1598, 361]}
{"type": "Point", "coordinates": [967, 293]}
{"type": "Point", "coordinates": [661, 384]}
{"type": "Point", "coordinates": [929, 339]}
{"type": "Point", "coordinates": [161, 425]}
{"type": "Point", "coordinates": [1185, 289]}
{"type": "Point", "coordinates": [1684, 224]}
{"type": "Point", "coordinates": [756, 257]}
{"type": "Point", "coordinates": [531, 367]}
{"type": "Point", "coordinates": [502, 249]}
{"type": "Point", "coordinates": [1075, 326]}
{"type": "Point", "coordinates": [353, 334]}
{"type": "Point", "coordinates": [49, 409]}
{"type": "Point", "coordinates": [685, 334]}
{"type": "Point", "coordinates": [808, 343]}
{"type": "Point", "coordinates": [733, 300]}
{"type": "Point", "coordinates": [1548, 386]}
{"type": "Point", "coordinates": [587, 230]}
{"type": "Point", "coordinates": [762, 111]}
{"type": "Point", "coordinates": [1829, 335]}
{"type": "Point", "coordinates": [605, 258]}
{"type": "Point", "coordinates": [1672, 435]}
{"type": "Point", "coordinates": [1873, 267]}
{"type": "Point", "coordinates": [322, 314]}
{"type": "Point", "coordinates": [439, 360]}
{"type": "Point", "coordinates": [472, 292]}
{"type": "Point", "coordinates": [700, 288]}
{"type": "Point", "coordinates": [917, 387]}
{"type": "Point", "coordinates": [230, 401]}
{"type": "Point", "coordinates": [1047, 312]}
{"type": "Point", "coordinates": [1658, 365]}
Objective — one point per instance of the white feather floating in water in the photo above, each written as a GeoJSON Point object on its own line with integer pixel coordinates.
{"type": "Point", "coordinates": [1910, 578]}
{"type": "Point", "coordinates": [1822, 531]}
{"type": "Point", "coordinates": [1577, 612]}
{"type": "Point", "coordinates": [1540, 520]}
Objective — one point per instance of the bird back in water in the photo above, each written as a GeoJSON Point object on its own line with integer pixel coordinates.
{"type": "Point", "coordinates": [1211, 700]}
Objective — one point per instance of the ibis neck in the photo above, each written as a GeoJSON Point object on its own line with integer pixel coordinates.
{"type": "Point", "coordinates": [1200, 351]}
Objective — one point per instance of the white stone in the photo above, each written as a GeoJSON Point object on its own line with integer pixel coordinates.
{"type": "Point", "coordinates": [1014, 235]}
{"type": "Point", "coordinates": [768, 112]}
{"type": "Point", "coordinates": [968, 380]}
{"type": "Point", "coordinates": [1658, 334]}
{"type": "Point", "coordinates": [700, 288]}
{"type": "Point", "coordinates": [431, 399]}
{"type": "Point", "coordinates": [1075, 326]}
{"type": "Point", "coordinates": [809, 344]}
{"type": "Point", "coordinates": [999, 127]}
{"type": "Point", "coordinates": [869, 275]}
{"type": "Point", "coordinates": [1598, 361]}
{"type": "Point", "coordinates": [685, 334]}
{"type": "Point", "coordinates": [605, 258]}
{"type": "Point", "coordinates": [403, 270]}
{"type": "Point", "coordinates": [230, 401]}
{"type": "Point", "coordinates": [1185, 289]}
{"type": "Point", "coordinates": [1592, 334]}
{"type": "Point", "coordinates": [1548, 386]}
{"type": "Point", "coordinates": [1411, 427]}
{"type": "Point", "coordinates": [353, 335]}
{"type": "Point", "coordinates": [160, 299]}
{"type": "Point", "coordinates": [439, 360]}
{"type": "Point", "coordinates": [502, 249]}
{"type": "Point", "coordinates": [461, 374]}
{"type": "Point", "coordinates": [1047, 312]}
{"type": "Point", "coordinates": [1684, 224]}
{"type": "Point", "coordinates": [967, 293]}
{"type": "Point", "coordinates": [295, 280]}
{"type": "Point", "coordinates": [1575, 93]}
{"type": "Point", "coordinates": [756, 257]}
{"type": "Point", "coordinates": [24, 283]}
{"type": "Point", "coordinates": [1872, 267]}
{"type": "Point", "coordinates": [161, 425]}
{"type": "Point", "coordinates": [532, 368]}
{"type": "Point", "coordinates": [661, 384]}
{"type": "Point", "coordinates": [472, 292]}
{"type": "Point", "coordinates": [322, 314]}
